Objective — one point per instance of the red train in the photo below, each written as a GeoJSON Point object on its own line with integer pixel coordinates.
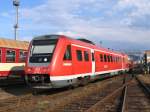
{"type": "Point", "coordinates": [56, 61]}
{"type": "Point", "coordinates": [12, 57]}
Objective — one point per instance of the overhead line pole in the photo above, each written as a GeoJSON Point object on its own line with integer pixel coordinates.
{"type": "Point", "coordinates": [16, 4]}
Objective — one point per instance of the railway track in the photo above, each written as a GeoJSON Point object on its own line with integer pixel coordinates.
{"type": "Point", "coordinates": [54, 101]}
{"type": "Point", "coordinates": [98, 100]}
{"type": "Point", "coordinates": [131, 97]}
{"type": "Point", "coordinates": [137, 97]}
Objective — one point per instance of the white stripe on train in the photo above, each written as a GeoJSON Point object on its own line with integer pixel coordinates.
{"type": "Point", "coordinates": [68, 77]}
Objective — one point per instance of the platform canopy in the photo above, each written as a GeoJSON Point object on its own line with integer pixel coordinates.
{"type": "Point", "coordinates": [8, 43]}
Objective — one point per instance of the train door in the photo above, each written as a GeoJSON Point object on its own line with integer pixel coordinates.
{"type": "Point", "coordinates": [93, 62]}
{"type": "Point", "coordinates": [67, 61]}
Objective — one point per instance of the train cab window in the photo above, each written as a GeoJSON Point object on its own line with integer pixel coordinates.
{"type": "Point", "coordinates": [79, 55]}
{"type": "Point", "coordinates": [86, 56]}
{"type": "Point", "coordinates": [22, 56]}
{"type": "Point", "coordinates": [10, 56]}
{"type": "Point", "coordinates": [0, 55]}
{"type": "Point", "coordinates": [105, 58]}
{"type": "Point", "coordinates": [67, 55]}
{"type": "Point", "coordinates": [42, 50]}
{"type": "Point", "coordinates": [101, 57]}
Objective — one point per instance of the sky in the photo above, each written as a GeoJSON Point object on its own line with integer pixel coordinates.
{"type": "Point", "coordinates": [117, 24]}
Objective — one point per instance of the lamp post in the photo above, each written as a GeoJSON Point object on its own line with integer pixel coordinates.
{"type": "Point", "coordinates": [16, 4]}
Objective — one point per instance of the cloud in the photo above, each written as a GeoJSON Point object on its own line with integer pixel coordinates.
{"type": "Point", "coordinates": [112, 20]}
{"type": "Point", "coordinates": [5, 15]}
{"type": "Point", "coordinates": [137, 12]}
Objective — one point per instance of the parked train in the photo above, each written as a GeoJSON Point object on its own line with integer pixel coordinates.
{"type": "Point", "coordinates": [12, 58]}
{"type": "Point", "coordinates": [56, 61]}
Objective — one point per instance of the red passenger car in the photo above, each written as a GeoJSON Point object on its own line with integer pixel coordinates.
{"type": "Point", "coordinates": [56, 61]}
{"type": "Point", "coordinates": [12, 57]}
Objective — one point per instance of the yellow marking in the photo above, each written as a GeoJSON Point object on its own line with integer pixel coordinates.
{"type": "Point", "coordinates": [11, 66]}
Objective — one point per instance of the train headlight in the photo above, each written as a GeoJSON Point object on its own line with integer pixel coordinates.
{"type": "Point", "coordinates": [29, 70]}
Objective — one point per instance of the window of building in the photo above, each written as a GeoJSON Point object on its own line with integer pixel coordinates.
{"type": "Point", "coordinates": [101, 57]}
{"type": "Point", "coordinates": [86, 56]}
{"type": "Point", "coordinates": [105, 58]}
{"type": "Point", "coordinates": [79, 55]}
{"type": "Point", "coordinates": [67, 55]}
{"type": "Point", "coordinates": [0, 55]}
{"type": "Point", "coordinates": [10, 56]}
{"type": "Point", "coordinates": [22, 56]}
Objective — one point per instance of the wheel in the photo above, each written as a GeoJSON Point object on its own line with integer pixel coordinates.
{"type": "Point", "coordinates": [85, 81]}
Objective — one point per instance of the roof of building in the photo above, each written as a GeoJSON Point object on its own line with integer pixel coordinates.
{"type": "Point", "coordinates": [8, 43]}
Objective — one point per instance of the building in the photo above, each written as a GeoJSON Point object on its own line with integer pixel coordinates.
{"type": "Point", "coordinates": [147, 56]}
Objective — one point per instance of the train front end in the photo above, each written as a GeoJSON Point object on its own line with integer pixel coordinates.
{"type": "Point", "coordinates": [38, 65]}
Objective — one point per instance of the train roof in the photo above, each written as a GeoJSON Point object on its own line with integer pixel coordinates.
{"type": "Point", "coordinates": [42, 37]}
{"type": "Point", "coordinates": [8, 43]}
{"type": "Point", "coordinates": [85, 40]}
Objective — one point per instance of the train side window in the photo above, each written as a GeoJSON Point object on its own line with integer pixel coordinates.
{"type": "Point", "coordinates": [111, 60]}
{"type": "Point", "coordinates": [10, 56]}
{"type": "Point", "coordinates": [105, 58]}
{"type": "Point", "coordinates": [0, 55]}
{"type": "Point", "coordinates": [86, 56]}
{"type": "Point", "coordinates": [93, 59]}
{"type": "Point", "coordinates": [115, 59]}
{"type": "Point", "coordinates": [101, 57]}
{"type": "Point", "coordinates": [108, 57]}
{"type": "Point", "coordinates": [22, 56]}
{"type": "Point", "coordinates": [79, 55]}
{"type": "Point", "coordinates": [67, 55]}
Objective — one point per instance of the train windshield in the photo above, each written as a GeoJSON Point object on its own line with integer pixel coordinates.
{"type": "Point", "coordinates": [42, 51]}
